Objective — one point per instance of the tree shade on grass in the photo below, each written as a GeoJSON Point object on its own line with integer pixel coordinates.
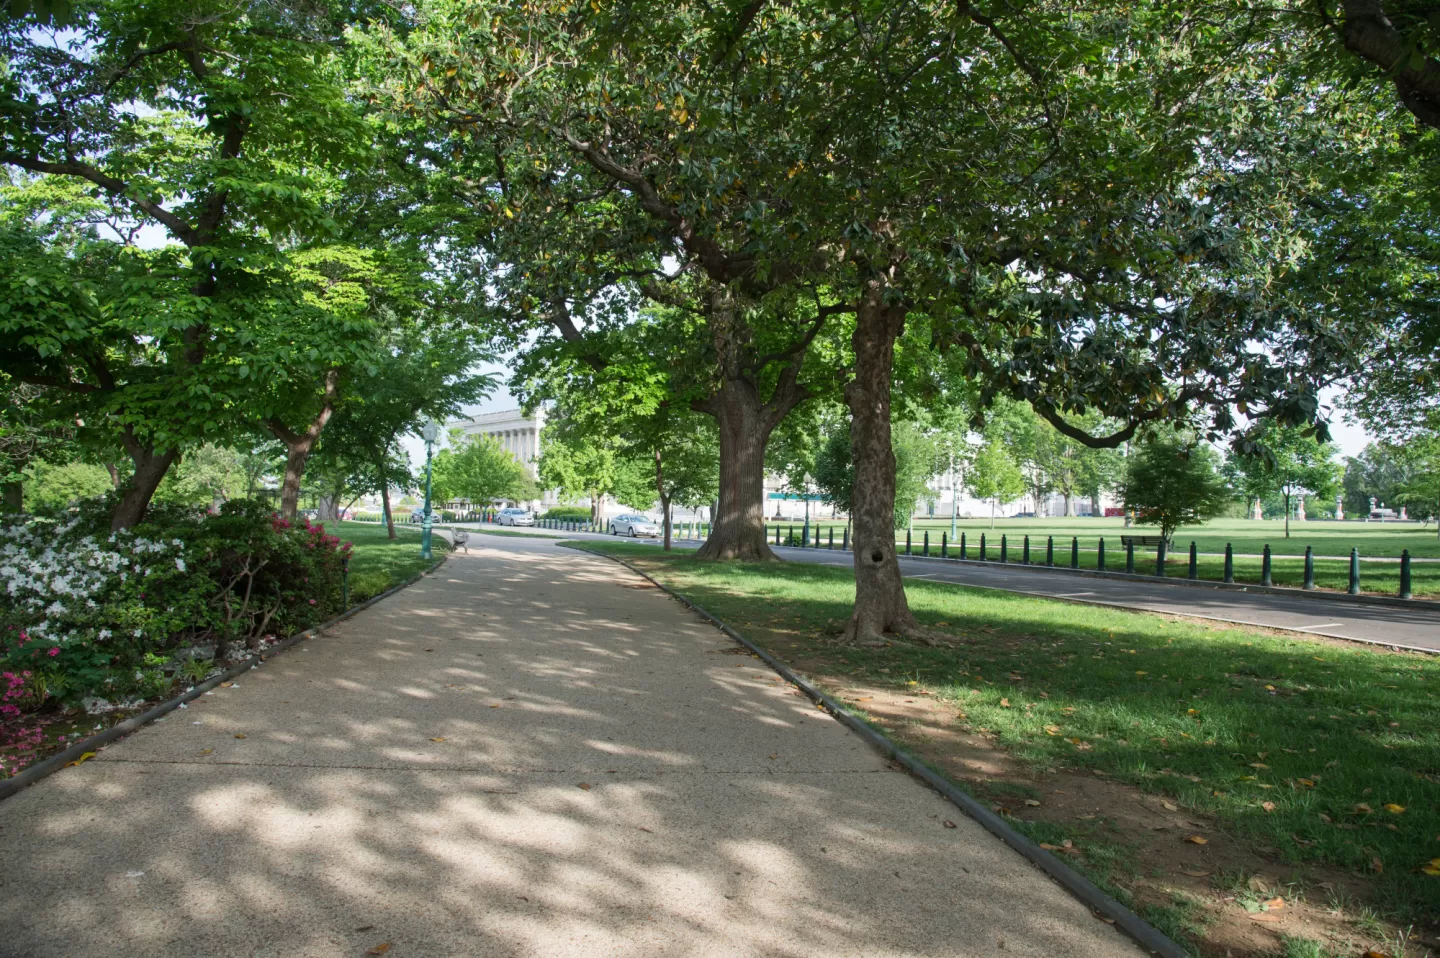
{"type": "Point", "coordinates": [1341, 743]}
{"type": "Point", "coordinates": [379, 562]}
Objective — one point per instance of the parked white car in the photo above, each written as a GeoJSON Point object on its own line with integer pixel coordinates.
{"type": "Point", "coordinates": [514, 517]}
{"type": "Point", "coordinates": [633, 526]}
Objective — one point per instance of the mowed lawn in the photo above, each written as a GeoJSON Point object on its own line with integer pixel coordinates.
{"type": "Point", "coordinates": [379, 562]}
{"type": "Point", "coordinates": [1327, 537]}
{"type": "Point", "coordinates": [1326, 753]}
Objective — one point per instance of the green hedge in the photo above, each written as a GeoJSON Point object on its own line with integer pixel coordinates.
{"type": "Point", "coordinates": [568, 513]}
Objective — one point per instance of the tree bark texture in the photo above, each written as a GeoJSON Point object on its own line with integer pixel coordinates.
{"type": "Point", "coordinates": [135, 495]}
{"type": "Point", "coordinates": [738, 532]}
{"type": "Point", "coordinates": [299, 444]}
{"type": "Point", "coordinates": [745, 421]}
{"type": "Point", "coordinates": [664, 499]}
{"type": "Point", "coordinates": [880, 604]}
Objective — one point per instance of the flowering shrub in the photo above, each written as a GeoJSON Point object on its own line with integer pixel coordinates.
{"type": "Point", "coordinates": [90, 618]}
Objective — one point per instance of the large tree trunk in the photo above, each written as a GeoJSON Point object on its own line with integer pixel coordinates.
{"type": "Point", "coordinates": [664, 499]}
{"type": "Point", "coordinates": [135, 495]}
{"type": "Point", "coordinates": [299, 444]}
{"type": "Point", "coordinates": [1069, 506]}
{"type": "Point", "coordinates": [880, 604]}
{"type": "Point", "coordinates": [738, 532]}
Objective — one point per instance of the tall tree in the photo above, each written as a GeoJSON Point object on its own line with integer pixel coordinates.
{"type": "Point", "coordinates": [219, 123]}
{"type": "Point", "coordinates": [1171, 480]}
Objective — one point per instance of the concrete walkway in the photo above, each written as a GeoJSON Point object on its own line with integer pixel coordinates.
{"type": "Point", "coordinates": [530, 753]}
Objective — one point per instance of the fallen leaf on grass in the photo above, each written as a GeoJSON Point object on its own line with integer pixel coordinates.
{"type": "Point", "coordinates": [1393, 809]}
{"type": "Point", "coordinates": [1377, 864]}
{"type": "Point", "coordinates": [83, 758]}
{"type": "Point", "coordinates": [584, 785]}
{"type": "Point", "coordinates": [1197, 840]}
{"type": "Point", "coordinates": [1372, 953]}
{"type": "Point", "coordinates": [1258, 765]}
{"type": "Point", "coordinates": [1064, 848]}
{"type": "Point", "coordinates": [1169, 807]}
{"type": "Point", "coordinates": [379, 949]}
{"type": "Point", "coordinates": [1274, 904]}
{"type": "Point", "coordinates": [496, 706]}
{"type": "Point", "coordinates": [1268, 806]}
{"type": "Point", "coordinates": [226, 685]}
{"type": "Point", "coordinates": [239, 734]}
{"type": "Point", "coordinates": [1052, 729]}
{"type": "Point", "coordinates": [1031, 802]}
{"type": "Point", "coordinates": [1363, 808]}
{"type": "Point", "coordinates": [440, 739]}
{"type": "Point", "coordinates": [1004, 703]}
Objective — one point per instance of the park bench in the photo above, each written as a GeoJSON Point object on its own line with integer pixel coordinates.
{"type": "Point", "coordinates": [1144, 542]}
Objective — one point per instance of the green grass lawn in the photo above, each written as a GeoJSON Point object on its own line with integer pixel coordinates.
{"type": "Point", "coordinates": [1326, 537]}
{"type": "Point", "coordinates": [378, 562]}
{"type": "Point", "coordinates": [1325, 753]}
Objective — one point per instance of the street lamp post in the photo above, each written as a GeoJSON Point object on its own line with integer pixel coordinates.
{"type": "Point", "coordinates": [429, 433]}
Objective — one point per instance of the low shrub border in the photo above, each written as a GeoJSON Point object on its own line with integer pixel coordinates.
{"type": "Point", "coordinates": [75, 752]}
{"type": "Point", "coordinates": [1106, 907]}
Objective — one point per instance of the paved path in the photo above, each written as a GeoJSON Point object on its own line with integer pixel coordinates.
{"type": "Point", "coordinates": [612, 780]}
{"type": "Point", "coordinates": [1415, 627]}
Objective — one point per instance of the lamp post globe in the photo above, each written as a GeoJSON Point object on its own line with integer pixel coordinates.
{"type": "Point", "coordinates": [429, 432]}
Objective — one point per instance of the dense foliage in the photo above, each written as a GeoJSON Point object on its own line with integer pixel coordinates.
{"type": "Point", "coordinates": [98, 619]}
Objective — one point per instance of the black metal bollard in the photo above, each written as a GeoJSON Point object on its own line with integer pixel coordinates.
{"type": "Point", "coordinates": [845, 540]}
{"type": "Point", "coordinates": [1130, 557]}
{"type": "Point", "coordinates": [944, 545]}
{"type": "Point", "coordinates": [1229, 564]}
{"type": "Point", "coordinates": [1100, 555]}
{"type": "Point", "coordinates": [830, 544]}
{"type": "Point", "coordinates": [1074, 552]}
{"type": "Point", "coordinates": [982, 547]}
{"type": "Point", "coordinates": [925, 549]}
{"type": "Point", "coordinates": [1160, 559]}
{"type": "Point", "coordinates": [1354, 572]}
{"type": "Point", "coordinates": [1309, 568]}
{"type": "Point", "coordinates": [962, 545]}
{"type": "Point", "coordinates": [1025, 553]}
{"type": "Point", "coordinates": [1405, 574]}
{"type": "Point", "coordinates": [1004, 549]}
{"type": "Point", "coordinates": [1194, 561]}
{"type": "Point", "coordinates": [1265, 579]}
{"type": "Point", "coordinates": [1050, 550]}
{"type": "Point", "coordinates": [789, 534]}
{"type": "Point", "coordinates": [907, 542]}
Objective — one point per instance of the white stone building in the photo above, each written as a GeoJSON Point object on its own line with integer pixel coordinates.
{"type": "Point", "coordinates": [518, 434]}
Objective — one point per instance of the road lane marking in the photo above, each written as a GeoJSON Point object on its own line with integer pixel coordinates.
{"type": "Point", "coordinates": [1071, 595]}
{"type": "Point", "coordinates": [1307, 628]}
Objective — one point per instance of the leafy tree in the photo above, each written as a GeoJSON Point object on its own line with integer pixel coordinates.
{"type": "Point", "coordinates": [1381, 472]}
{"type": "Point", "coordinates": [834, 472]}
{"type": "Point", "coordinates": [917, 459]}
{"type": "Point", "coordinates": [480, 470]}
{"type": "Point", "coordinates": [995, 475]}
{"type": "Point", "coordinates": [55, 485]}
{"type": "Point", "coordinates": [205, 475]}
{"type": "Point", "coordinates": [1289, 462]}
{"type": "Point", "coordinates": [223, 124]}
{"type": "Point", "coordinates": [1172, 481]}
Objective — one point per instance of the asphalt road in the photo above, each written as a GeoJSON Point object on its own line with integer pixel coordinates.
{"type": "Point", "coordinates": [1415, 627]}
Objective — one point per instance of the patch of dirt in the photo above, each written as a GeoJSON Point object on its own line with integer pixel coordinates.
{"type": "Point", "coordinates": [1234, 885]}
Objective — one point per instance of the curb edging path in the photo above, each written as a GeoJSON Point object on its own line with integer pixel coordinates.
{"type": "Point", "coordinates": [119, 730]}
{"type": "Point", "coordinates": [1089, 894]}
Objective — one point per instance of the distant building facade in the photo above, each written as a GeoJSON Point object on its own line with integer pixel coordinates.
{"type": "Point", "coordinates": [519, 435]}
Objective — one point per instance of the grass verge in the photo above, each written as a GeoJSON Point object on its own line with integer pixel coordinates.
{"type": "Point", "coordinates": [379, 562]}
{"type": "Point", "coordinates": [1300, 751]}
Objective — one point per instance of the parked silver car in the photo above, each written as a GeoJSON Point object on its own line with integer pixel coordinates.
{"type": "Point", "coordinates": [634, 526]}
{"type": "Point", "coordinates": [514, 517]}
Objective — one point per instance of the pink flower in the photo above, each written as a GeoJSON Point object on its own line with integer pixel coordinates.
{"type": "Point", "coordinates": [312, 601]}
{"type": "Point", "coordinates": [54, 651]}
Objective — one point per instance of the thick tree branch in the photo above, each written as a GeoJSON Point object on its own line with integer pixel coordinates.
{"type": "Point", "coordinates": [1369, 33]}
{"type": "Point", "coordinates": [116, 187]}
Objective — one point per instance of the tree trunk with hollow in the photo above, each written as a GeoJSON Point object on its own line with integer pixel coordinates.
{"type": "Point", "coordinates": [880, 603]}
